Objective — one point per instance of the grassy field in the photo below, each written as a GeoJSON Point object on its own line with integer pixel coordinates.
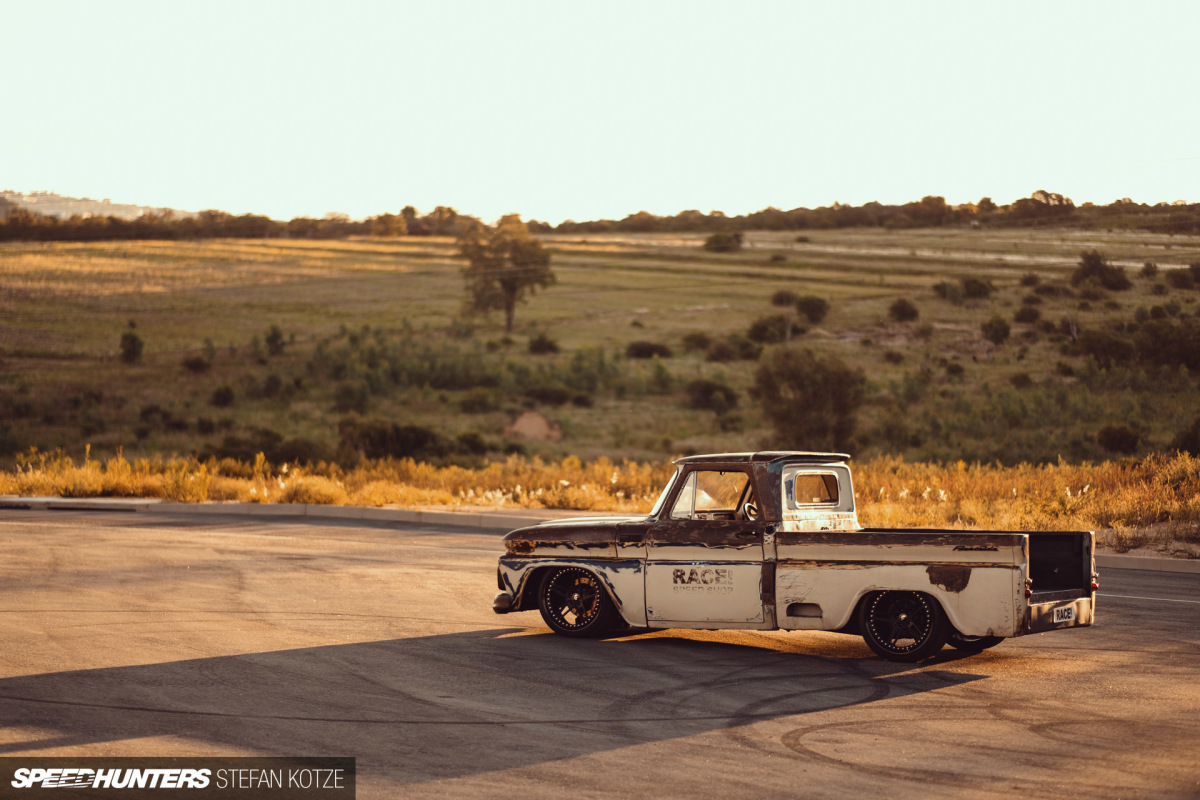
{"type": "Point", "coordinates": [64, 307]}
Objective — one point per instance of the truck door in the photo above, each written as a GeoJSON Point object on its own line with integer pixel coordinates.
{"type": "Point", "coordinates": [704, 554]}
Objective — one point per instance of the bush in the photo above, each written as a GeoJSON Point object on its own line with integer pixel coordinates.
{"type": "Point", "coordinates": [711, 395]}
{"type": "Point", "coordinates": [903, 310]}
{"type": "Point", "coordinates": [275, 340]}
{"type": "Point", "coordinates": [1030, 279]}
{"type": "Point", "coordinates": [548, 395]}
{"type": "Point", "coordinates": [351, 397]}
{"type": "Point", "coordinates": [976, 289]}
{"type": "Point", "coordinates": [1188, 439]}
{"type": "Point", "coordinates": [1027, 315]}
{"type": "Point", "coordinates": [814, 309]}
{"type": "Point", "coordinates": [696, 341]}
{"type": "Point", "coordinates": [131, 347]}
{"type": "Point", "coordinates": [1094, 267]}
{"type": "Point", "coordinates": [723, 242]}
{"type": "Point", "coordinates": [196, 364]}
{"type": "Point", "coordinates": [542, 345]}
{"type": "Point", "coordinates": [811, 400]}
{"type": "Point", "coordinates": [382, 439]}
{"type": "Point", "coordinates": [1180, 279]}
{"type": "Point", "coordinates": [996, 330]}
{"type": "Point", "coordinates": [222, 397]}
{"type": "Point", "coordinates": [1021, 380]}
{"type": "Point", "coordinates": [1107, 348]}
{"type": "Point", "coordinates": [478, 401]}
{"type": "Point", "coordinates": [647, 350]}
{"type": "Point", "coordinates": [1118, 439]}
{"type": "Point", "coordinates": [769, 330]}
{"type": "Point", "coordinates": [892, 357]}
{"type": "Point", "coordinates": [784, 298]}
{"type": "Point", "coordinates": [1149, 270]}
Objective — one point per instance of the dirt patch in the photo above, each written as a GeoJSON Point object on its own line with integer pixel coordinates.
{"type": "Point", "coordinates": [534, 426]}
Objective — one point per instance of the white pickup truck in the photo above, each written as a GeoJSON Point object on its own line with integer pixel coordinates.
{"type": "Point", "coordinates": [770, 540]}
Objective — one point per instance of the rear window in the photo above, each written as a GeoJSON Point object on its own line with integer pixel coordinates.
{"type": "Point", "coordinates": [810, 488]}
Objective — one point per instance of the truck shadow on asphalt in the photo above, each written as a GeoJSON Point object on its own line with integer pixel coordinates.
{"type": "Point", "coordinates": [444, 706]}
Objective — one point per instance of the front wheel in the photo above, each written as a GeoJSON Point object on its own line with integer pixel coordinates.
{"type": "Point", "coordinates": [574, 603]}
{"type": "Point", "coordinates": [973, 644]}
{"type": "Point", "coordinates": [903, 626]}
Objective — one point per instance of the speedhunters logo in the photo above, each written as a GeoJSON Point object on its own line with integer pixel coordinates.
{"type": "Point", "coordinates": [79, 778]}
{"type": "Point", "coordinates": [272, 778]}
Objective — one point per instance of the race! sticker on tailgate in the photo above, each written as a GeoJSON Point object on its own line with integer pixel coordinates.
{"type": "Point", "coordinates": [1064, 614]}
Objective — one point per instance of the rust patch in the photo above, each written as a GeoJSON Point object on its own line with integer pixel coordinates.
{"type": "Point", "coordinates": [519, 547]}
{"type": "Point", "coordinates": [952, 579]}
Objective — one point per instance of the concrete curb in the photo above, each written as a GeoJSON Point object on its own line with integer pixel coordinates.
{"type": "Point", "coordinates": [491, 520]}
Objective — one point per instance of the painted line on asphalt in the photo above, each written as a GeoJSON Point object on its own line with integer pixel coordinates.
{"type": "Point", "coordinates": [1158, 599]}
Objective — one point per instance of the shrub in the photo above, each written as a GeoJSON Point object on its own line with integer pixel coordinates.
{"type": "Point", "coordinates": [723, 242]}
{"type": "Point", "coordinates": [1118, 439]}
{"type": "Point", "coordinates": [976, 289]}
{"type": "Point", "coordinates": [892, 357]}
{"type": "Point", "coordinates": [542, 345]}
{"type": "Point", "coordinates": [196, 364]}
{"type": "Point", "coordinates": [647, 350]}
{"type": "Point", "coordinates": [583, 400]}
{"type": "Point", "coordinates": [222, 397]}
{"type": "Point", "coordinates": [131, 347]}
{"type": "Point", "coordinates": [784, 298]}
{"type": "Point", "coordinates": [1031, 300]}
{"type": "Point", "coordinates": [382, 439]}
{"type": "Point", "coordinates": [954, 370]}
{"type": "Point", "coordinates": [548, 395]}
{"type": "Point", "coordinates": [696, 341]}
{"type": "Point", "coordinates": [1030, 279]}
{"type": "Point", "coordinates": [275, 340]}
{"type": "Point", "coordinates": [903, 310]}
{"type": "Point", "coordinates": [1149, 270]}
{"type": "Point", "coordinates": [996, 330]}
{"type": "Point", "coordinates": [811, 400]}
{"type": "Point", "coordinates": [777, 258]}
{"type": "Point", "coordinates": [814, 309]}
{"type": "Point", "coordinates": [1188, 439]}
{"type": "Point", "coordinates": [769, 330]}
{"type": "Point", "coordinates": [1095, 267]}
{"type": "Point", "coordinates": [205, 426]}
{"type": "Point", "coordinates": [478, 401]}
{"type": "Point", "coordinates": [1021, 380]}
{"type": "Point", "coordinates": [1105, 347]}
{"type": "Point", "coordinates": [721, 351]}
{"type": "Point", "coordinates": [1027, 315]}
{"type": "Point", "coordinates": [951, 292]}
{"type": "Point", "coordinates": [1180, 279]}
{"type": "Point", "coordinates": [351, 397]}
{"type": "Point", "coordinates": [711, 395]}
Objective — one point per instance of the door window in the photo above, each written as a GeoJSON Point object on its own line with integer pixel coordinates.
{"type": "Point", "coordinates": [709, 494]}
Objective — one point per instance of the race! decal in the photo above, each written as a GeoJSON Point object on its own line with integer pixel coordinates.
{"type": "Point", "coordinates": [706, 580]}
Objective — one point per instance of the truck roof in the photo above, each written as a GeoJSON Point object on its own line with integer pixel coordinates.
{"type": "Point", "coordinates": [794, 456]}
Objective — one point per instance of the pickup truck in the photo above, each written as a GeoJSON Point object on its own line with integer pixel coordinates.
{"type": "Point", "coordinates": [770, 541]}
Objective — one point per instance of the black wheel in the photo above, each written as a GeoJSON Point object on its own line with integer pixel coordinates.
{"type": "Point", "coordinates": [903, 626]}
{"type": "Point", "coordinates": [574, 603]}
{"type": "Point", "coordinates": [973, 644]}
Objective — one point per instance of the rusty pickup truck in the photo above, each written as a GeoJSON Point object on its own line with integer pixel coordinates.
{"type": "Point", "coordinates": [771, 540]}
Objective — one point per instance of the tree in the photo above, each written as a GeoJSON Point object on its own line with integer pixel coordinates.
{"type": "Point", "coordinates": [507, 265]}
{"type": "Point", "coordinates": [1095, 267]}
{"type": "Point", "coordinates": [903, 310]}
{"type": "Point", "coordinates": [131, 347]}
{"type": "Point", "coordinates": [996, 330]}
{"type": "Point", "coordinates": [811, 400]}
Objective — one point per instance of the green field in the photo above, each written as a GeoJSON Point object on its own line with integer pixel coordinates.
{"type": "Point", "coordinates": [373, 328]}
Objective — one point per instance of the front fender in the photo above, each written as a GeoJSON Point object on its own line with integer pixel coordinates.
{"type": "Point", "coordinates": [624, 580]}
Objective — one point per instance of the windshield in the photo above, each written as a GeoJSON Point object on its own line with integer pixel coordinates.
{"type": "Point", "coordinates": [662, 498]}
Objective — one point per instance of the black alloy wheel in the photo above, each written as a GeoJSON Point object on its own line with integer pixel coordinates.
{"type": "Point", "coordinates": [903, 626]}
{"type": "Point", "coordinates": [573, 602]}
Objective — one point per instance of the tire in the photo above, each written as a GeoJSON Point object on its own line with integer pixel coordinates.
{"type": "Point", "coordinates": [574, 602]}
{"type": "Point", "coordinates": [903, 626]}
{"type": "Point", "coordinates": [973, 644]}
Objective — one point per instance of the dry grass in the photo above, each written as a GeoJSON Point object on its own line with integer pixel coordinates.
{"type": "Point", "coordinates": [1151, 503]}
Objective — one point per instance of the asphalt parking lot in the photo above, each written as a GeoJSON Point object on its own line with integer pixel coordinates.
{"type": "Point", "coordinates": [152, 635]}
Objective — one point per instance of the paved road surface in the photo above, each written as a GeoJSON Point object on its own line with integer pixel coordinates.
{"type": "Point", "coordinates": [133, 634]}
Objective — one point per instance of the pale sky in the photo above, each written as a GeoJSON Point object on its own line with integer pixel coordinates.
{"type": "Point", "coordinates": [565, 110]}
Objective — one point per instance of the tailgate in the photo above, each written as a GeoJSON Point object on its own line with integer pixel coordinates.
{"type": "Point", "coordinates": [1060, 580]}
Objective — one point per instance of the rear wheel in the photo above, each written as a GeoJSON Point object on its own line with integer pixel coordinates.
{"type": "Point", "coordinates": [573, 602]}
{"type": "Point", "coordinates": [973, 644]}
{"type": "Point", "coordinates": [903, 626]}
